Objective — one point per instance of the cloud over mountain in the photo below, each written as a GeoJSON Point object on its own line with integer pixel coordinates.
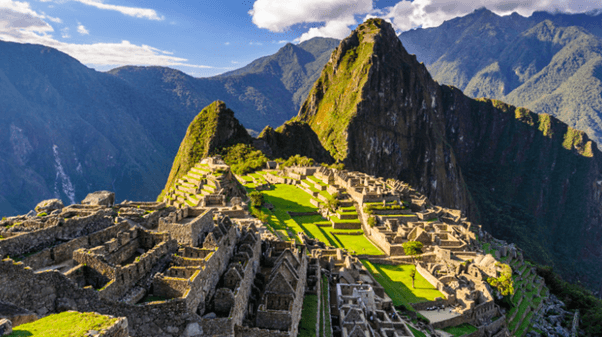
{"type": "Point", "coordinates": [337, 17]}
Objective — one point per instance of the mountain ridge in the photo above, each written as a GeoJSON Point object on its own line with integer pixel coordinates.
{"type": "Point", "coordinates": [546, 62]}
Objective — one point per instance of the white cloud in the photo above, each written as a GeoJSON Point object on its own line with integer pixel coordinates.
{"type": "Point", "coordinates": [145, 13]}
{"type": "Point", "coordinates": [227, 43]}
{"type": "Point", "coordinates": [55, 20]}
{"type": "Point", "coordinates": [82, 30]}
{"type": "Point", "coordinates": [431, 13]}
{"type": "Point", "coordinates": [255, 43]}
{"type": "Point", "coordinates": [336, 28]}
{"type": "Point", "coordinates": [337, 15]}
{"type": "Point", "coordinates": [19, 23]}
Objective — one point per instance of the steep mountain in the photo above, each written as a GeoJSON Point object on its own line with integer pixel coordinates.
{"type": "Point", "coordinates": [214, 127]}
{"type": "Point", "coordinates": [549, 63]}
{"type": "Point", "coordinates": [67, 130]}
{"type": "Point", "coordinates": [268, 91]}
{"type": "Point", "coordinates": [527, 178]}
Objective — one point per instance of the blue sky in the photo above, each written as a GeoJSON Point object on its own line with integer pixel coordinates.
{"type": "Point", "coordinates": [205, 38]}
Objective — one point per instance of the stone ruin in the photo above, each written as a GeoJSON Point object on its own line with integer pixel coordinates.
{"type": "Point", "coordinates": [198, 265]}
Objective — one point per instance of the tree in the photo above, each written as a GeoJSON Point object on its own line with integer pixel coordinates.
{"type": "Point", "coordinates": [334, 202]}
{"type": "Point", "coordinates": [256, 199]}
{"type": "Point", "coordinates": [503, 283]}
{"type": "Point", "coordinates": [413, 249]}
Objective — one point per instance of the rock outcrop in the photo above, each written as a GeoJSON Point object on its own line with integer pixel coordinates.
{"type": "Point", "coordinates": [47, 206]}
{"type": "Point", "coordinates": [100, 198]}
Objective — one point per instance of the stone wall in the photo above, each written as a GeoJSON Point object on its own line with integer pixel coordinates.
{"type": "Point", "coordinates": [225, 326]}
{"type": "Point", "coordinates": [429, 277]}
{"type": "Point", "coordinates": [452, 322]}
{"type": "Point", "coordinates": [51, 292]}
{"type": "Point", "coordinates": [243, 331]}
{"type": "Point", "coordinates": [64, 252]}
{"type": "Point", "coordinates": [67, 229]}
{"type": "Point", "coordinates": [203, 286]}
{"type": "Point", "coordinates": [188, 233]}
{"type": "Point", "coordinates": [345, 225]}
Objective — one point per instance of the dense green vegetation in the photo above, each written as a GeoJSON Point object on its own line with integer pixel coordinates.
{"type": "Point", "coordinates": [503, 283]}
{"type": "Point", "coordinates": [243, 158]}
{"type": "Point", "coordinates": [256, 199]}
{"type": "Point", "coordinates": [296, 160]}
{"type": "Point", "coordinates": [65, 324]}
{"type": "Point", "coordinates": [576, 296]}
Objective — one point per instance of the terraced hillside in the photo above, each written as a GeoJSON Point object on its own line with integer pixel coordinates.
{"type": "Point", "coordinates": [294, 209]}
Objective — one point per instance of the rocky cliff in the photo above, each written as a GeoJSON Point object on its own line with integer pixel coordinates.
{"type": "Point", "coordinates": [214, 127]}
{"type": "Point", "coordinates": [527, 178]}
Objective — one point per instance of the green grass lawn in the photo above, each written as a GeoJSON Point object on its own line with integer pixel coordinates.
{"type": "Point", "coordinates": [320, 182]}
{"type": "Point", "coordinates": [357, 244]}
{"type": "Point", "coordinates": [398, 284]}
{"type": "Point", "coordinates": [460, 330]}
{"type": "Point", "coordinates": [65, 324]}
{"type": "Point", "coordinates": [307, 326]}
{"type": "Point", "coordinates": [290, 198]}
{"type": "Point", "coordinates": [335, 219]}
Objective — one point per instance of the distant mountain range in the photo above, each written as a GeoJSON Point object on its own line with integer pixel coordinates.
{"type": "Point", "coordinates": [549, 63]}
{"type": "Point", "coordinates": [67, 130]}
{"type": "Point", "coordinates": [268, 91]}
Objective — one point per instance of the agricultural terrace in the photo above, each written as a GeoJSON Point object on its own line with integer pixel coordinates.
{"type": "Point", "coordinates": [288, 198]}
{"type": "Point", "coordinates": [398, 284]}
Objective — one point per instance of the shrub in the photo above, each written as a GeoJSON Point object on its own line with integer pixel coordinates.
{"type": "Point", "coordinates": [243, 158]}
{"type": "Point", "coordinates": [256, 199]}
{"type": "Point", "coordinates": [334, 202]}
{"type": "Point", "coordinates": [372, 221]}
{"type": "Point", "coordinates": [42, 214]}
{"type": "Point", "coordinates": [412, 248]}
{"type": "Point", "coordinates": [504, 283]}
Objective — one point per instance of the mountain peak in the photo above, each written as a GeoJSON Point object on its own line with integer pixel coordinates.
{"type": "Point", "coordinates": [373, 104]}
{"type": "Point", "coordinates": [214, 127]}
